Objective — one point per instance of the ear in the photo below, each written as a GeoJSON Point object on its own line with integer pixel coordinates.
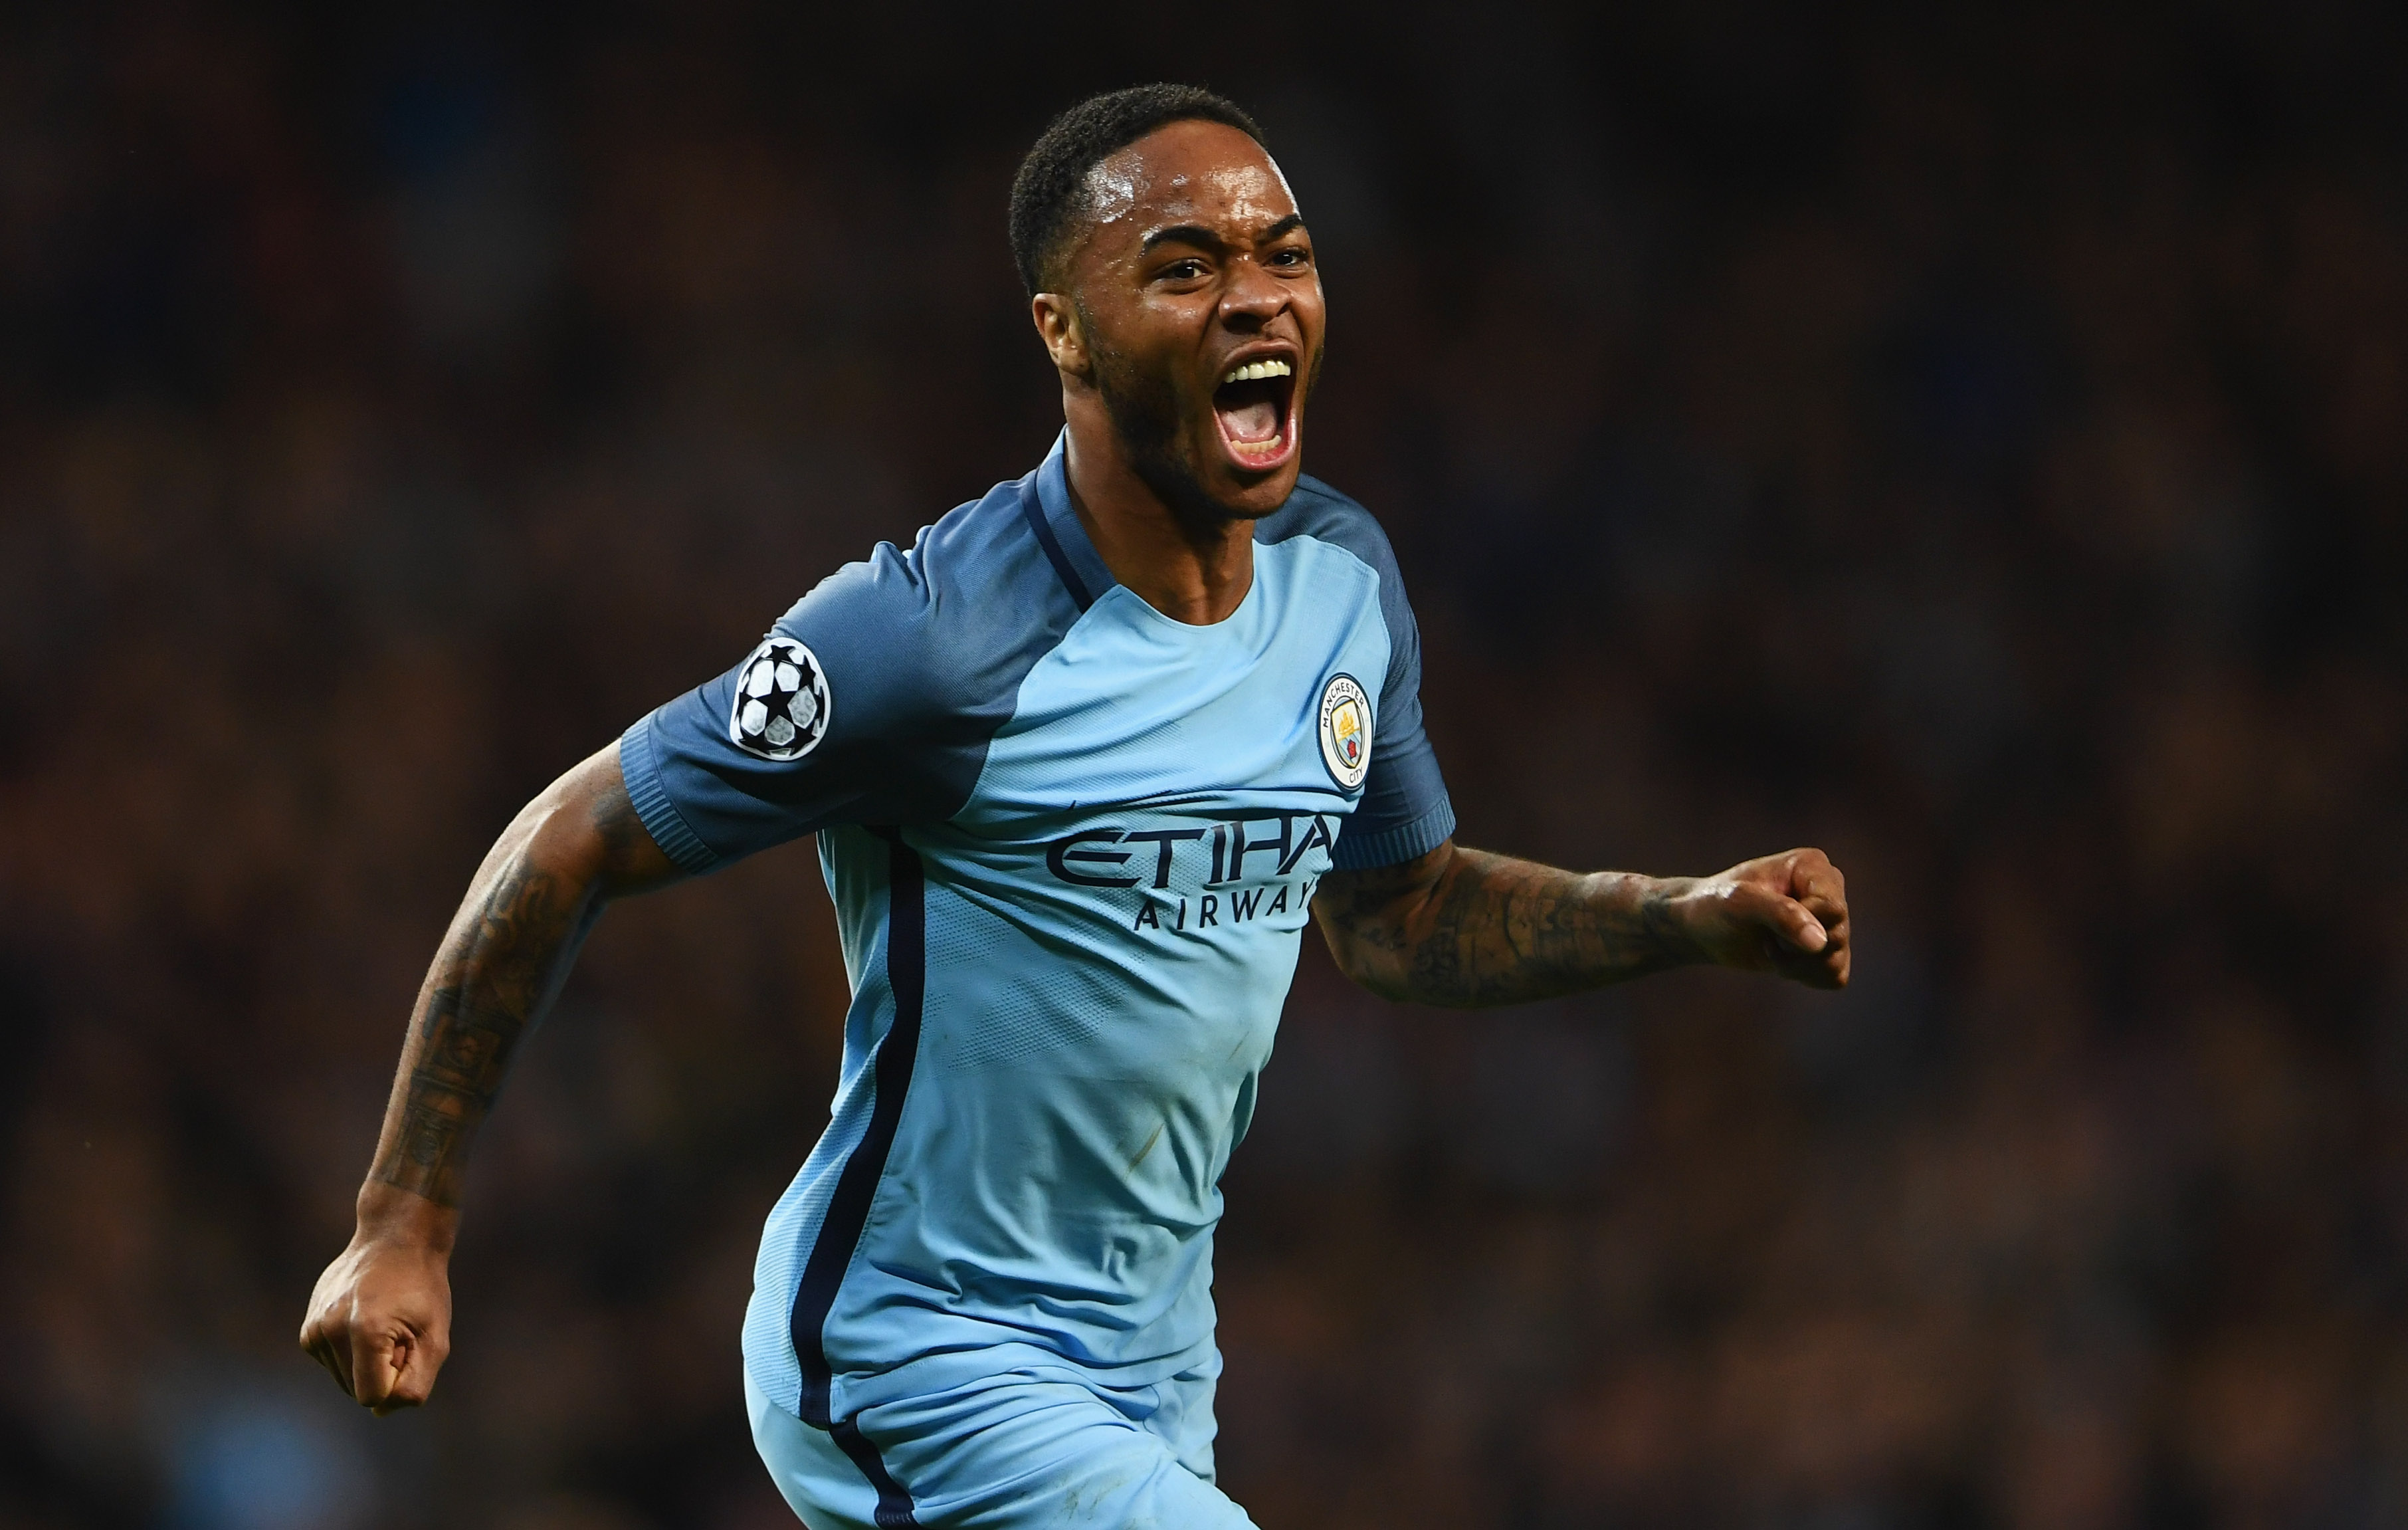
{"type": "Point", "coordinates": [1064, 332]}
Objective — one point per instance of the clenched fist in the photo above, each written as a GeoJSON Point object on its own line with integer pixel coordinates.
{"type": "Point", "coordinates": [381, 1317]}
{"type": "Point", "coordinates": [1784, 914]}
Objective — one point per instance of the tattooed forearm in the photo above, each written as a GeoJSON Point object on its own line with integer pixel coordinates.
{"type": "Point", "coordinates": [493, 980]}
{"type": "Point", "coordinates": [502, 961]}
{"type": "Point", "coordinates": [1463, 927]}
{"type": "Point", "coordinates": [462, 1055]}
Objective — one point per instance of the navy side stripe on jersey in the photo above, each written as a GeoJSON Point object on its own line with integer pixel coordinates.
{"type": "Point", "coordinates": [907, 974]}
{"type": "Point", "coordinates": [894, 1511]}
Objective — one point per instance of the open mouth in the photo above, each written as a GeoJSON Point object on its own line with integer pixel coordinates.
{"type": "Point", "coordinates": [1252, 404]}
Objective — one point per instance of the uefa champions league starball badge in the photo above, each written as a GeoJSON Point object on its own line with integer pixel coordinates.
{"type": "Point", "coordinates": [780, 711]}
{"type": "Point", "coordinates": [1345, 731]}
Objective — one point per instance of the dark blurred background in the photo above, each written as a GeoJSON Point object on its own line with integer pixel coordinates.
{"type": "Point", "coordinates": [1974, 441]}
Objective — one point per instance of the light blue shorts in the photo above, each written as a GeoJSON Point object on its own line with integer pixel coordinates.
{"type": "Point", "coordinates": [1016, 1452]}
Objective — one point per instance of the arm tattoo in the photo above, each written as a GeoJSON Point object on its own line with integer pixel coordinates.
{"type": "Point", "coordinates": [498, 970]}
{"type": "Point", "coordinates": [462, 1054]}
{"type": "Point", "coordinates": [1466, 927]}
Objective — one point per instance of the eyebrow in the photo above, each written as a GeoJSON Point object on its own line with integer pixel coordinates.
{"type": "Point", "coordinates": [1204, 238]}
{"type": "Point", "coordinates": [1195, 234]}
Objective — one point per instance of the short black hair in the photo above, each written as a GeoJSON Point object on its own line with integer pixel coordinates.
{"type": "Point", "coordinates": [1051, 190]}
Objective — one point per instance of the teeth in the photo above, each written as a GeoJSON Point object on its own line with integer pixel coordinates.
{"type": "Point", "coordinates": [1256, 370]}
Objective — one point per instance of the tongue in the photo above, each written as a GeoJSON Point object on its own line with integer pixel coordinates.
{"type": "Point", "coordinates": [1252, 422]}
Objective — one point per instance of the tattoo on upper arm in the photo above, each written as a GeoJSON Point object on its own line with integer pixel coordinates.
{"type": "Point", "coordinates": [1496, 933]}
{"type": "Point", "coordinates": [1361, 904]}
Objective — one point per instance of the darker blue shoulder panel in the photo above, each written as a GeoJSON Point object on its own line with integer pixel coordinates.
{"type": "Point", "coordinates": [1316, 510]}
{"type": "Point", "coordinates": [870, 702]}
{"type": "Point", "coordinates": [1405, 811]}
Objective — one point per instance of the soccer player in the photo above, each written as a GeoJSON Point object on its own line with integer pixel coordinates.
{"type": "Point", "coordinates": [1080, 761]}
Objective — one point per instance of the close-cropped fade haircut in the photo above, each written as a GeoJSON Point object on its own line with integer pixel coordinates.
{"type": "Point", "coordinates": [1049, 194]}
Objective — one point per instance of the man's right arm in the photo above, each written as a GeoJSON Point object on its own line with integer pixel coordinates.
{"type": "Point", "coordinates": [379, 1318]}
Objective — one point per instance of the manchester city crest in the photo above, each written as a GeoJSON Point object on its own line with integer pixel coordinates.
{"type": "Point", "coordinates": [781, 709]}
{"type": "Point", "coordinates": [1345, 731]}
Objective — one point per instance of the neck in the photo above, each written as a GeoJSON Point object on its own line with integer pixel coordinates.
{"type": "Point", "coordinates": [1190, 571]}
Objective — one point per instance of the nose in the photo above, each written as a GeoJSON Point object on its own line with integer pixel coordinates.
{"type": "Point", "coordinates": [1252, 298]}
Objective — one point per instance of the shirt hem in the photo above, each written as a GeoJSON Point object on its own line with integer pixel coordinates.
{"type": "Point", "coordinates": [1392, 846]}
{"type": "Point", "coordinates": [661, 819]}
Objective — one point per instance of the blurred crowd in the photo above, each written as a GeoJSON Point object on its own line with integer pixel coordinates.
{"type": "Point", "coordinates": [1976, 443]}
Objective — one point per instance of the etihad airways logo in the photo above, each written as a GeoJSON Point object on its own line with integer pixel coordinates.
{"type": "Point", "coordinates": [1209, 865]}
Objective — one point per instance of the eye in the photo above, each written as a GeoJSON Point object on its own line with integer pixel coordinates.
{"type": "Point", "coordinates": [1292, 255]}
{"type": "Point", "coordinates": [1184, 270]}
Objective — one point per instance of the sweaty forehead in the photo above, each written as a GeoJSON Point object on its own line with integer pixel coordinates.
{"type": "Point", "coordinates": [1188, 172]}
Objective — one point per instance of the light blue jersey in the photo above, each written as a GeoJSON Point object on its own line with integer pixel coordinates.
{"type": "Point", "coordinates": [1071, 844]}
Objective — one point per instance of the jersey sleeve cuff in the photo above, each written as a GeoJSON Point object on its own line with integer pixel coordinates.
{"type": "Point", "coordinates": [662, 821]}
{"type": "Point", "coordinates": [1356, 851]}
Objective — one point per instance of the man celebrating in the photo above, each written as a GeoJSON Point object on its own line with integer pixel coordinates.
{"type": "Point", "coordinates": [1079, 762]}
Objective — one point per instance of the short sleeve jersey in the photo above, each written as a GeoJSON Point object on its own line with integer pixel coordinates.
{"type": "Point", "coordinates": [1071, 844]}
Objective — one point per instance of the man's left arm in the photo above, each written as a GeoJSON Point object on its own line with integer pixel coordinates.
{"type": "Point", "coordinates": [1468, 929]}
